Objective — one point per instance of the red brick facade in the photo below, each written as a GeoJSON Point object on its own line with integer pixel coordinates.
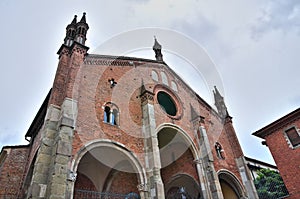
{"type": "Point", "coordinates": [12, 171]}
{"type": "Point", "coordinates": [286, 156]}
{"type": "Point", "coordinates": [117, 137]}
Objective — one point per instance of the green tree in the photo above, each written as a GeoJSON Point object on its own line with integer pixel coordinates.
{"type": "Point", "coordinates": [269, 184]}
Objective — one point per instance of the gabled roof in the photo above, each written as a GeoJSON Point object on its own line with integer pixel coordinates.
{"type": "Point", "coordinates": [95, 59]}
{"type": "Point", "coordinates": [269, 129]}
{"type": "Point", "coordinates": [256, 163]}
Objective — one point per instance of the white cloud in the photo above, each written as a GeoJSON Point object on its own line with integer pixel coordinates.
{"type": "Point", "coordinates": [278, 15]}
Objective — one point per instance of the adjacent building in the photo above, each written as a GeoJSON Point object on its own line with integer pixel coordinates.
{"type": "Point", "coordinates": [283, 139]}
{"type": "Point", "coordinates": [255, 165]}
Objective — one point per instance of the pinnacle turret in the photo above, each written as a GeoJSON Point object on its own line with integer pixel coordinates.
{"type": "Point", "coordinates": [157, 50]}
{"type": "Point", "coordinates": [220, 104]}
{"type": "Point", "coordinates": [83, 19]}
{"type": "Point", "coordinates": [82, 28]}
{"type": "Point", "coordinates": [70, 32]}
{"type": "Point", "coordinates": [76, 31]}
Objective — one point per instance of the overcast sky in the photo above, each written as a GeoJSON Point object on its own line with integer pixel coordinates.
{"type": "Point", "coordinates": [254, 44]}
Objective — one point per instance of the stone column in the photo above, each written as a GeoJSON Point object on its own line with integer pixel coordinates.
{"type": "Point", "coordinates": [111, 117]}
{"type": "Point", "coordinates": [202, 178]}
{"type": "Point", "coordinates": [62, 151]}
{"type": "Point", "coordinates": [239, 159]}
{"type": "Point", "coordinates": [246, 178]}
{"type": "Point", "coordinates": [42, 166]}
{"type": "Point", "coordinates": [210, 185]}
{"type": "Point", "coordinates": [143, 191]}
{"type": "Point", "coordinates": [152, 155]}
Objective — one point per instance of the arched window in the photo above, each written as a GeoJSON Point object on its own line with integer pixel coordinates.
{"type": "Point", "coordinates": [79, 30]}
{"type": "Point", "coordinates": [106, 114]}
{"type": "Point", "coordinates": [154, 75]}
{"type": "Point", "coordinates": [174, 86]}
{"type": "Point", "coordinates": [69, 32]}
{"type": "Point", "coordinates": [111, 114]}
{"type": "Point", "coordinates": [164, 78]}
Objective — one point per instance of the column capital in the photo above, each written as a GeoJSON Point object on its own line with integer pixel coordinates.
{"type": "Point", "coordinates": [143, 187]}
{"type": "Point", "coordinates": [197, 161]}
{"type": "Point", "coordinates": [147, 97]}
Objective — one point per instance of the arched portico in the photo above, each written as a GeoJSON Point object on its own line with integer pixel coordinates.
{"type": "Point", "coordinates": [105, 165]}
{"type": "Point", "coordinates": [179, 170]}
{"type": "Point", "coordinates": [184, 137]}
{"type": "Point", "coordinates": [230, 185]}
{"type": "Point", "coordinates": [174, 188]}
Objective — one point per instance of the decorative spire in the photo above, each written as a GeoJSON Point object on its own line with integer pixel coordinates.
{"type": "Point", "coordinates": [194, 114]}
{"type": "Point", "coordinates": [157, 50]}
{"type": "Point", "coordinates": [70, 32]}
{"type": "Point", "coordinates": [83, 19]}
{"type": "Point", "coordinates": [75, 34]}
{"type": "Point", "coordinates": [74, 21]}
{"type": "Point", "coordinates": [81, 30]}
{"type": "Point", "coordinates": [220, 104]}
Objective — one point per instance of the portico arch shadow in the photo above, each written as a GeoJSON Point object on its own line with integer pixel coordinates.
{"type": "Point", "coordinates": [92, 151]}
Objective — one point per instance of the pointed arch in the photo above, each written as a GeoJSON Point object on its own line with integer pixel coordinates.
{"type": "Point", "coordinates": [184, 135]}
{"type": "Point", "coordinates": [111, 113]}
{"type": "Point", "coordinates": [175, 184]}
{"type": "Point", "coordinates": [229, 179]}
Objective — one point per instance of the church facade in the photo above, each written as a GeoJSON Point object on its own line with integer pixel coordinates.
{"type": "Point", "coordinates": [124, 127]}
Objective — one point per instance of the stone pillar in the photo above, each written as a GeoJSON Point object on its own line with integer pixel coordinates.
{"type": "Point", "coordinates": [202, 178]}
{"type": "Point", "coordinates": [239, 159]}
{"type": "Point", "coordinates": [246, 177]}
{"type": "Point", "coordinates": [62, 151]}
{"type": "Point", "coordinates": [42, 167]}
{"type": "Point", "coordinates": [152, 155]}
{"type": "Point", "coordinates": [111, 117]}
{"type": "Point", "coordinates": [210, 185]}
{"type": "Point", "coordinates": [143, 190]}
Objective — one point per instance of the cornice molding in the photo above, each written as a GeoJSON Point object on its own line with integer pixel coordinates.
{"type": "Point", "coordinates": [278, 124]}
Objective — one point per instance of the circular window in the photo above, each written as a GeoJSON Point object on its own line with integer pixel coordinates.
{"type": "Point", "coordinates": [167, 103]}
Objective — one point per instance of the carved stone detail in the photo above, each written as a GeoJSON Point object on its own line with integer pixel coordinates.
{"type": "Point", "coordinates": [147, 97]}
{"type": "Point", "coordinates": [143, 187]}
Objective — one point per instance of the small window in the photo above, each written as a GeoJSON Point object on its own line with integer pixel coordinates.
{"type": "Point", "coordinates": [293, 136]}
{"type": "Point", "coordinates": [111, 114]}
{"type": "Point", "coordinates": [154, 75]}
{"type": "Point", "coordinates": [174, 86]}
{"type": "Point", "coordinates": [164, 78]}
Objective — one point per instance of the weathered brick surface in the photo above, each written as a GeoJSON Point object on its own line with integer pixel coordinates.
{"type": "Point", "coordinates": [12, 172]}
{"type": "Point", "coordinates": [286, 158]}
{"type": "Point", "coordinates": [94, 91]}
{"type": "Point", "coordinates": [183, 165]}
{"type": "Point", "coordinates": [123, 183]}
{"type": "Point", "coordinates": [87, 83]}
{"type": "Point", "coordinates": [84, 183]}
{"type": "Point", "coordinates": [89, 86]}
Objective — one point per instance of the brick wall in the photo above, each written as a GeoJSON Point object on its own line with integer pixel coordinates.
{"type": "Point", "coordinates": [286, 158]}
{"type": "Point", "coordinates": [123, 183]}
{"type": "Point", "coordinates": [12, 172]}
{"type": "Point", "coordinates": [83, 183]}
{"type": "Point", "coordinates": [94, 91]}
{"type": "Point", "coordinates": [184, 164]}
